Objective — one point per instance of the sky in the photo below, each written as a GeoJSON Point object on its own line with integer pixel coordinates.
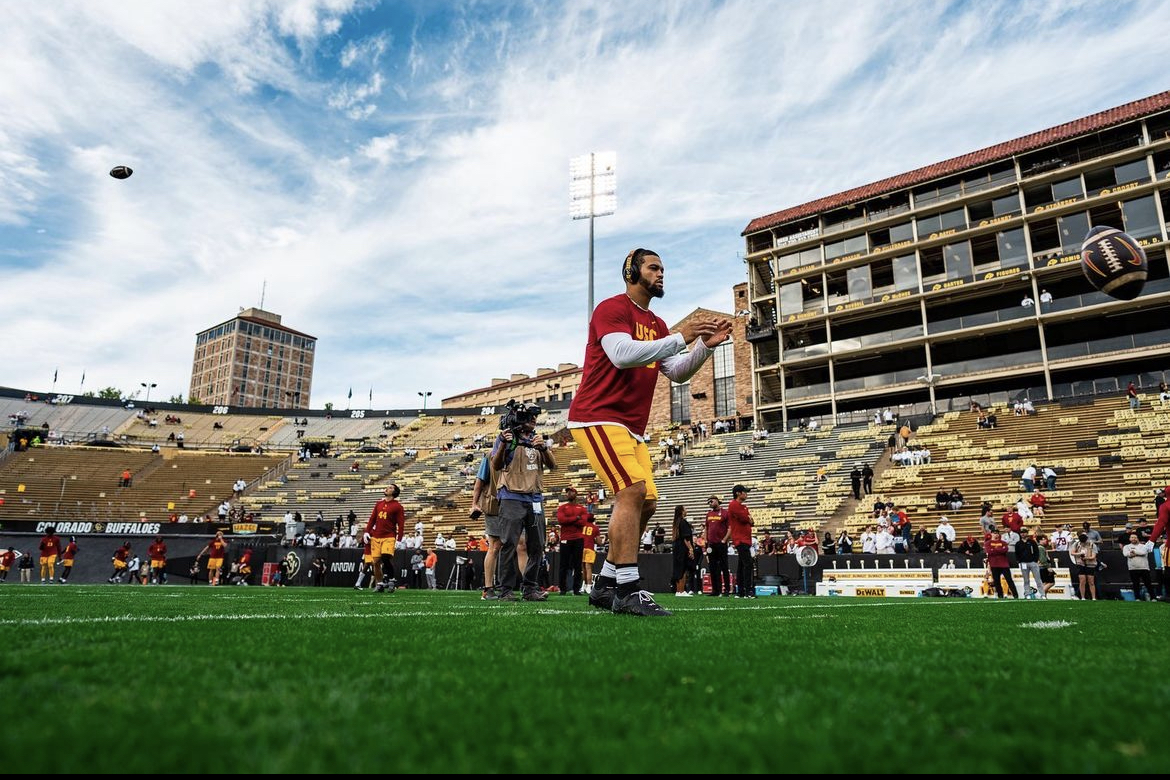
{"type": "Point", "coordinates": [393, 178]}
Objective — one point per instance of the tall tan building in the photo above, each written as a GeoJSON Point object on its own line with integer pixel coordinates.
{"type": "Point", "coordinates": [253, 360]}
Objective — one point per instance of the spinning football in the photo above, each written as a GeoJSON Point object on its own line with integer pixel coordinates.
{"type": "Point", "coordinates": [1114, 262]}
{"type": "Point", "coordinates": [121, 172]}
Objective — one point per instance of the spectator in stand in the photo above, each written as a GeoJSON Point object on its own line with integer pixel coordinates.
{"type": "Point", "coordinates": [869, 540]}
{"type": "Point", "coordinates": [125, 481]}
{"type": "Point", "coordinates": [924, 541]}
{"type": "Point", "coordinates": [1029, 479]}
{"type": "Point", "coordinates": [1036, 502]}
{"type": "Point", "coordinates": [855, 481]}
{"type": "Point", "coordinates": [1011, 519]}
{"type": "Point", "coordinates": [867, 479]}
{"type": "Point", "coordinates": [1001, 568]}
{"type": "Point", "coordinates": [901, 530]}
{"type": "Point", "coordinates": [942, 499]}
{"type": "Point", "coordinates": [970, 547]}
{"type": "Point", "coordinates": [844, 543]}
{"type": "Point", "coordinates": [956, 500]}
{"type": "Point", "coordinates": [987, 522]}
{"type": "Point", "coordinates": [827, 546]}
{"type": "Point", "coordinates": [945, 533]}
{"type": "Point", "coordinates": [1062, 538]}
{"type": "Point", "coordinates": [1049, 477]}
{"type": "Point", "coordinates": [1092, 533]}
{"type": "Point", "coordinates": [1132, 394]}
{"type": "Point", "coordinates": [884, 543]}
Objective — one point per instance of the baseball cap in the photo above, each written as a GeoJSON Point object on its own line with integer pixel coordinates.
{"type": "Point", "coordinates": [738, 489]}
{"type": "Point", "coordinates": [713, 497]}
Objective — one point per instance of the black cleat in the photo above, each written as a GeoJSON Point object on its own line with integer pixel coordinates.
{"type": "Point", "coordinates": [602, 598]}
{"type": "Point", "coordinates": [536, 595]}
{"type": "Point", "coordinates": [638, 603]}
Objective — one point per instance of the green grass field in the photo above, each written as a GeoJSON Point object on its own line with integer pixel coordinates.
{"type": "Point", "coordinates": [187, 679]}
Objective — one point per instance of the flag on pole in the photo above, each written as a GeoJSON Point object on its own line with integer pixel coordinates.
{"type": "Point", "coordinates": [371, 397]}
{"type": "Point", "coordinates": [83, 378]}
{"type": "Point", "coordinates": [351, 392]}
{"type": "Point", "coordinates": [54, 376]}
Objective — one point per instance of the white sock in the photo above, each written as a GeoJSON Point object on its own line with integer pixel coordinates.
{"type": "Point", "coordinates": [608, 570]}
{"type": "Point", "coordinates": [627, 574]}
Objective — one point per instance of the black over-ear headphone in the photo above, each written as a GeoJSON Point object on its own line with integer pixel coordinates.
{"type": "Point", "coordinates": [632, 268]}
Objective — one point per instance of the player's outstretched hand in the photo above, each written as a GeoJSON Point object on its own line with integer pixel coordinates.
{"type": "Point", "coordinates": [697, 328]}
{"type": "Point", "coordinates": [722, 333]}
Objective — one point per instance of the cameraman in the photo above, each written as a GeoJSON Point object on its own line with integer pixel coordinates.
{"type": "Point", "coordinates": [520, 458]}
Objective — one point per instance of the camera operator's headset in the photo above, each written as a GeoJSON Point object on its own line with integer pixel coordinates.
{"type": "Point", "coordinates": [632, 268]}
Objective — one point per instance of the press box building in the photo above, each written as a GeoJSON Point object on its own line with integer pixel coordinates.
{"type": "Point", "coordinates": [911, 292]}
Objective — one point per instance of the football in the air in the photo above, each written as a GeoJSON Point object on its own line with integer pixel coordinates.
{"type": "Point", "coordinates": [1114, 262]}
{"type": "Point", "coordinates": [121, 172]}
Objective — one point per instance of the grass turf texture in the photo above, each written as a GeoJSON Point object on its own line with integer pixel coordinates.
{"type": "Point", "coordinates": [183, 679]}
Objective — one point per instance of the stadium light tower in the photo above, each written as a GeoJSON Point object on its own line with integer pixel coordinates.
{"type": "Point", "coordinates": [424, 394]}
{"type": "Point", "coordinates": [592, 193]}
{"type": "Point", "coordinates": [148, 387]}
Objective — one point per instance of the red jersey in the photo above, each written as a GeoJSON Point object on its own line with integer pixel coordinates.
{"type": "Point", "coordinates": [715, 526]}
{"type": "Point", "coordinates": [70, 552]}
{"type": "Point", "coordinates": [216, 548]}
{"type": "Point", "coordinates": [387, 519]}
{"type": "Point", "coordinates": [1012, 520]}
{"type": "Point", "coordinates": [50, 545]}
{"type": "Point", "coordinates": [1163, 520]}
{"type": "Point", "coordinates": [157, 551]}
{"type": "Point", "coordinates": [609, 394]}
{"type": "Point", "coordinates": [572, 518]}
{"type": "Point", "coordinates": [246, 556]}
{"type": "Point", "coordinates": [740, 521]}
{"type": "Point", "coordinates": [122, 553]}
{"type": "Point", "coordinates": [997, 554]}
{"type": "Point", "coordinates": [589, 534]}
{"type": "Point", "coordinates": [1038, 499]}
{"type": "Point", "coordinates": [7, 559]}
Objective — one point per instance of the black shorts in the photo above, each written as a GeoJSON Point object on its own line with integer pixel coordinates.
{"type": "Point", "coordinates": [1087, 571]}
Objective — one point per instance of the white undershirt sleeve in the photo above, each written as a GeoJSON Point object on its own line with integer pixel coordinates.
{"type": "Point", "coordinates": [624, 352]}
{"type": "Point", "coordinates": [680, 368]}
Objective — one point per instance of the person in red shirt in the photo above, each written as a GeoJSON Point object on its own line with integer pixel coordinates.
{"type": "Point", "coordinates": [367, 567]}
{"type": "Point", "coordinates": [717, 530]}
{"type": "Point", "coordinates": [997, 561]}
{"type": "Point", "coordinates": [384, 530]}
{"type": "Point", "coordinates": [628, 346]}
{"type": "Point", "coordinates": [1037, 501]}
{"type": "Point", "coordinates": [7, 559]}
{"type": "Point", "coordinates": [242, 569]}
{"type": "Point", "coordinates": [1163, 517]}
{"type": "Point", "coordinates": [50, 549]}
{"type": "Point", "coordinates": [572, 518]}
{"type": "Point", "coordinates": [589, 534]}
{"type": "Point", "coordinates": [215, 551]}
{"type": "Point", "coordinates": [67, 558]}
{"type": "Point", "coordinates": [739, 521]}
{"type": "Point", "coordinates": [1011, 519]}
{"type": "Point", "coordinates": [121, 556]}
{"type": "Point", "coordinates": [157, 552]}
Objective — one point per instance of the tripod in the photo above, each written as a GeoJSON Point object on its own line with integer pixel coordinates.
{"type": "Point", "coordinates": [456, 575]}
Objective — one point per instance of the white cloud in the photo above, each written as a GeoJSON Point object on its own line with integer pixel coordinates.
{"type": "Point", "coordinates": [408, 205]}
